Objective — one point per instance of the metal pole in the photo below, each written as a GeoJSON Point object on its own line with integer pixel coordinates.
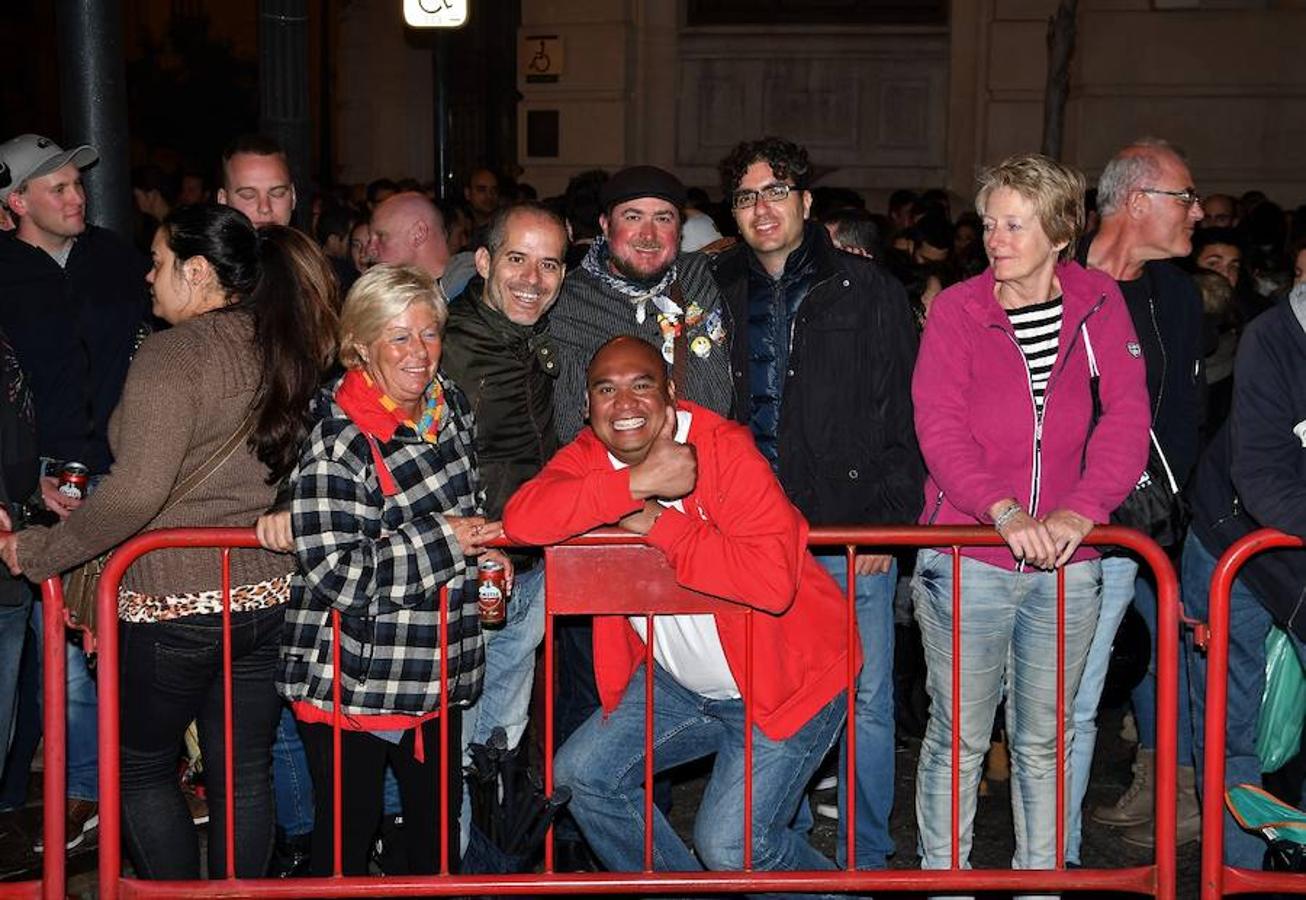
{"type": "Point", "coordinates": [441, 61]}
{"type": "Point", "coordinates": [283, 88]}
{"type": "Point", "coordinates": [93, 97]}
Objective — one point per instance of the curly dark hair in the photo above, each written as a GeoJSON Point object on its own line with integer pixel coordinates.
{"type": "Point", "coordinates": [787, 160]}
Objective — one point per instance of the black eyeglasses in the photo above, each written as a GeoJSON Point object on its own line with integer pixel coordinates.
{"type": "Point", "coordinates": [1188, 196]}
{"type": "Point", "coordinates": [772, 193]}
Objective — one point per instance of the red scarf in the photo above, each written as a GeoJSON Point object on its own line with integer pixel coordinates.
{"type": "Point", "coordinates": [377, 414]}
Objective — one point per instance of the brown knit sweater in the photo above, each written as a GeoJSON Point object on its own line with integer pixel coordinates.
{"type": "Point", "coordinates": [188, 390]}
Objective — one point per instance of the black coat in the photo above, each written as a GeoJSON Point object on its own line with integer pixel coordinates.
{"type": "Point", "coordinates": [74, 329]}
{"type": "Point", "coordinates": [846, 442]}
{"type": "Point", "coordinates": [1253, 473]}
{"type": "Point", "coordinates": [1170, 332]}
{"type": "Point", "coordinates": [507, 372]}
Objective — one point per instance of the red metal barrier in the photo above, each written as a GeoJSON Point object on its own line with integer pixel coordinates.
{"type": "Point", "coordinates": [54, 800]}
{"type": "Point", "coordinates": [1217, 879]}
{"type": "Point", "coordinates": [618, 560]}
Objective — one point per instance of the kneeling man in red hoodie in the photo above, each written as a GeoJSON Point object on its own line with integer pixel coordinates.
{"type": "Point", "coordinates": [696, 487]}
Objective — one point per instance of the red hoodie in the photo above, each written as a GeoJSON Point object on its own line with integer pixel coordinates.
{"type": "Point", "coordinates": [740, 540]}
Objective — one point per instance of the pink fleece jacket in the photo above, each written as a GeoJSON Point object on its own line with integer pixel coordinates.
{"type": "Point", "coordinates": [976, 420]}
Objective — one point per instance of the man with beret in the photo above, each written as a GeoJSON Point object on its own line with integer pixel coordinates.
{"type": "Point", "coordinates": [635, 281]}
{"type": "Point", "coordinates": [74, 307]}
{"type": "Point", "coordinates": [823, 381]}
{"type": "Point", "coordinates": [632, 281]}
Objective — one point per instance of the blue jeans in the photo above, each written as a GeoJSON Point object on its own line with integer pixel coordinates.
{"type": "Point", "coordinates": [1008, 632]}
{"type": "Point", "coordinates": [83, 727]}
{"type": "Point", "coordinates": [1118, 576]}
{"type": "Point", "coordinates": [510, 664]}
{"type": "Point", "coordinates": [1249, 623]}
{"type": "Point", "coordinates": [603, 764]}
{"type": "Point", "coordinates": [292, 784]}
{"type": "Point", "coordinates": [13, 634]}
{"type": "Point", "coordinates": [873, 719]}
{"type": "Point", "coordinates": [509, 675]}
{"type": "Point", "coordinates": [1143, 698]}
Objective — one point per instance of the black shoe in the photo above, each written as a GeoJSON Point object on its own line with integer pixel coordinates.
{"type": "Point", "coordinates": [291, 855]}
{"type": "Point", "coordinates": [574, 856]}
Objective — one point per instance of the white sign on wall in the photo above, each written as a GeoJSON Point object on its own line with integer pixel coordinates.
{"type": "Point", "coordinates": [435, 13]}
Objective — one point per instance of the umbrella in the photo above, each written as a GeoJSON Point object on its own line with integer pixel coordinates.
{"type": "Point", "coordinates": [510, 812]}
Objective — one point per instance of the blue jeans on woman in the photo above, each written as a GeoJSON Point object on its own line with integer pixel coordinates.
{"type": "Point", "coordinates": [1118, 576]}
{"type": "Point", "coordinates": [1008, 639]}
{"type": "Point", "coordinates": [603, 764]}
{"type": "Point", "coordinates": [171, 674]}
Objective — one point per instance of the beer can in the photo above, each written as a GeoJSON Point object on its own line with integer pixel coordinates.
{"type": "Point", "coordinates": [74, 479]}
{"type": "Point", "coordinates": [492, 594]}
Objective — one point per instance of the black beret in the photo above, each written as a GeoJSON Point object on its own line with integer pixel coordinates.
{"type": "Point", "coordinates": [642, 181]}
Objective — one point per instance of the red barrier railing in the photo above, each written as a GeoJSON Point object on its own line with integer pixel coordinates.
{"type": "Point", "coordinates": [625, 568]}
{"type": "Point", "coordinates": [1217, 878]}
{"type": "Point", "coordinates": [54, 801]}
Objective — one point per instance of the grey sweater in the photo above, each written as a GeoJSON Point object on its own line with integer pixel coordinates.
{"type": "Point", "coordinates": [588, 314]}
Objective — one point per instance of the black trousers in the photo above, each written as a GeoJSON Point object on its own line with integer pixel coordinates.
{"type": "Point", "coordinates": [364, 758]}
{"type": "Point", "coordinates": [171, 673]}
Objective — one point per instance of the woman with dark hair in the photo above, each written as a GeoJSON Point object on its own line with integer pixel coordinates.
{"type": "Point", "coordinates": [211, 418]}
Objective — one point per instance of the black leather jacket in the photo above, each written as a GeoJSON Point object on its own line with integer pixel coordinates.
{"type": "Point", "coordinates": [846, 440]}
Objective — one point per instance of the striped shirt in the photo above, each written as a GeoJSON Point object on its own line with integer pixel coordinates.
{"type": "Point", "coordinates": [1038, 329]}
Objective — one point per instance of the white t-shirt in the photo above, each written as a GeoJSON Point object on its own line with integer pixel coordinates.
{"type": "Point", "coordinates": [688, 646]}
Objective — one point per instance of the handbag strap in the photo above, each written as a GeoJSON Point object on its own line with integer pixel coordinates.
{"type": "Point", "coordinates": [1156, 445]}
{"type": "Point", "coordinates": [212, 464]}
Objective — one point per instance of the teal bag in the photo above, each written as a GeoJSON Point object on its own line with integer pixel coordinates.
{"type": "Point", "coordinates": [1283, 707]}
{"type": "Point", "coordinates": [1282, 826]}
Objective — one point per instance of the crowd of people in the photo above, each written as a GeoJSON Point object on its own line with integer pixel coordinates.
{"type": "Point", "coordinates": [405, 380]}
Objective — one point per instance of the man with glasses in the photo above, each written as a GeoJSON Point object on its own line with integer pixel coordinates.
{"type": "Point", "coordinates": [1149, 209]}
{"type": "Point", "coordinates": [822, 366]}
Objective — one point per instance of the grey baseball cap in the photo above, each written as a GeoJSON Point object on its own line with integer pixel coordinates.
{"type": "Point", "coordinates": [30, 156]}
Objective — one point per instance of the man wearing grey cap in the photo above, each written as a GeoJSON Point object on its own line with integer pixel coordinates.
{"type": "Point", "coordinates": [73, 302]}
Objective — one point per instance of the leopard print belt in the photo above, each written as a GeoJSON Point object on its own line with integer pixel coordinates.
{"type": "Point", "coordinates": [134, 606]}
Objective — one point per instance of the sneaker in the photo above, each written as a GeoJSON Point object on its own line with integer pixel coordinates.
{"type": "Point", "coordinates": [83, 819]}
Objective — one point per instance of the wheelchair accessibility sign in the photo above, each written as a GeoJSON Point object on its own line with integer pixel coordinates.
{"type": "Point", "coordinates": [540, 58]}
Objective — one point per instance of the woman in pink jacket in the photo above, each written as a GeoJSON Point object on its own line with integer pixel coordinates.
{"type": "Point", "coordinates": [1004, 414]}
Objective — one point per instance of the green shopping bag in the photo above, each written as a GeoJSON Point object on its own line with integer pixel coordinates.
{"type": "Point", "coordinates": [1283, 706]}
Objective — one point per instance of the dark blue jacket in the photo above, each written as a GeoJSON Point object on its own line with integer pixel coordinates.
{"type": "Point", "coordinates": [1169, 330]}
{"type": "Point", "coordinates": [74, 329]}
{"type": "Point", "coordinates": [1253, 474]}
{"type": "Point", "coordinates": [846, 439]}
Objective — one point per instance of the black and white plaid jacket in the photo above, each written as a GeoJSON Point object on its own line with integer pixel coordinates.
{"type": "Point", "coordinates": [381, 562]}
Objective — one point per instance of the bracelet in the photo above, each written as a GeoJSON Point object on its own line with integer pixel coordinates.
{"type": "Point", "coordinates": [1006, 516]}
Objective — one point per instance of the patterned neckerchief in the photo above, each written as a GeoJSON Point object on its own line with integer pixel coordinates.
{"type": "Point", "coordinates": [434, 409]}
{"type": "Point", "coordinates": [596, 263]}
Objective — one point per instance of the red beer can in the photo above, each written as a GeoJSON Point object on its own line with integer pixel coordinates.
{"type": "Point", "coordinates": [74, 479]}
{"type": "Point", "coordinates": [492, 594]}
